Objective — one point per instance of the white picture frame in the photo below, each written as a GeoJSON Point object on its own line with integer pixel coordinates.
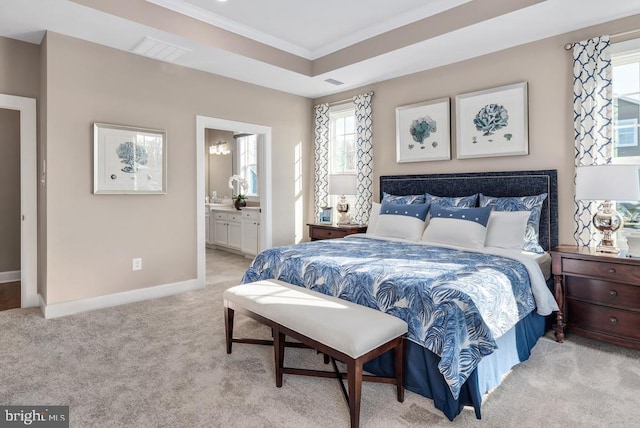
{"type": "Point", "coordinates": [129, 160]}
{"type": "Point", "coordinates": [423, 131]}
{"type": "Point", "coordinates": [492, 122]}
{"type": "Point", "coordinates": [326, 215]}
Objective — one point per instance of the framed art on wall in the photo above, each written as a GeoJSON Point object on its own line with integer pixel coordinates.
{"type": "Point", "coordinates": [129, 160]}
{"type": "Point", "coordinates": [423, 131]}
{"type": "Point", "coordinates": [493, 122]}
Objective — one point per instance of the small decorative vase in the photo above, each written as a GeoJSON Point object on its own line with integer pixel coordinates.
{"type": "Point", "coordinates": [238, 203]}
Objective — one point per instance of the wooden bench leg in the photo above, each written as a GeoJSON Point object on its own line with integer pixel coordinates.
{"type": "Point", "coordinates": [278, 349]}
{"type": "Point", "coordinates": [399, 353]}
{"type": "Point", "coordinates": [228, 327]}
{"type": "Point", "coordinates": [354, 378]}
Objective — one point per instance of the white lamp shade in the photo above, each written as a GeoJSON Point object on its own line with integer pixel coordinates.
{"type": "Point", "coordinates": [611, 182]}
{"type": "Point", "coordinates": [343, 184]}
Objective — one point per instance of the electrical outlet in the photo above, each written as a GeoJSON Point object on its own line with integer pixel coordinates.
{"type": "Point", "coordinates": [137, 264]}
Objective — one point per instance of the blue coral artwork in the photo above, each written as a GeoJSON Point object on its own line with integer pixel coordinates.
{"type": "Point", "coordinates": [128, 160]}
{"type": "Point", "coordinates": [492, 122]}
{"type": "Point", "coordinates": [423, 131]}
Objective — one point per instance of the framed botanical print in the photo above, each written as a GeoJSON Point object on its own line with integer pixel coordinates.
{"type": "Point", "coordinates": [493, 122]}
{"type": "Point", "coordinates": [423, 131]}
{"type": "Point", "coordinates": [129, 160]}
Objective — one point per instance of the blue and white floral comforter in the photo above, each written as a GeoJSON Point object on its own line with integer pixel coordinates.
{"type": "Point", "coordinates": [456, 303]}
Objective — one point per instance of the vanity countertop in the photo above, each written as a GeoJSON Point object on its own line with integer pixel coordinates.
{"type": "Point", "coordinates": [228, 208]}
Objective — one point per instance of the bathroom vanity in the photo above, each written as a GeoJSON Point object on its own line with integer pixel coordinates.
{"type": "Point", "coordinates": [234, 230]}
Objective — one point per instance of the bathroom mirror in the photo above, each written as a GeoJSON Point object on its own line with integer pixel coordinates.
{"type": "Point", "coordinates": [219, 153]}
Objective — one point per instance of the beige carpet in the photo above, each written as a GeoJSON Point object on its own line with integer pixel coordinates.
{"type": "Point", "coordinates": [162, 363]}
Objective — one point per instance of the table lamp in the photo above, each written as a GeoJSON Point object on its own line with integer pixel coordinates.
{"type": "Point", "coordinates": [343, 184]}
{"type": "Point", "coordinates": [611, 182]}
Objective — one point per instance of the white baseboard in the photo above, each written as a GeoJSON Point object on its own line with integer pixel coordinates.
{"type": "Point", "coordinates": [56, 310]}
{"type": "Point", "coordinates": [10, 276]}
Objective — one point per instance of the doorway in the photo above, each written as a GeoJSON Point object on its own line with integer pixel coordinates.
{"type": "Point", "coordinates": [28, 196]}
{"type": "Point", "coordinates": [264, 166]}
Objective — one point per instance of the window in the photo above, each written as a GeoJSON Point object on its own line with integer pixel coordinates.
{"type": "Point", "coordinates": [626, 133]}
{"type": "Point", "coordinates": [342, 141]}
{"type": "Point", "coordinates": [248, 162]}
{"type": "Point", "coordinates": [342, 144]}
{"type": "Point", "coordinates": [626, 117]}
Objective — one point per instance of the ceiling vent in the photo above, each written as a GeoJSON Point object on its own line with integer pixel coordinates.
{"type": "Point", "coordinates": [157, 49]}
{"type": "Point", "coordinates": [334, 82]}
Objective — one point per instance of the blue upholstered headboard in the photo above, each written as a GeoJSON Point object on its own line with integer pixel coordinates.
{"type": "Point", "coordinates": [507, 183]}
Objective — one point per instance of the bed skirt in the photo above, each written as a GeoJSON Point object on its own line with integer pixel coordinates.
{"type": "Point", "coordinates": [424, 378]}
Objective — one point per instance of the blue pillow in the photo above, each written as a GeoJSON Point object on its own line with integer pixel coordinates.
{"type": "Point", "coordinates": [404, 200]}
{"type": "Point", "coordinates": [460, 201]}
{"type": "Point", "coordinates": [406, 221]}
{"type": "Point", "coordinates": [521, 203]}
{"type": "Point", "coordinates": [462, 227]}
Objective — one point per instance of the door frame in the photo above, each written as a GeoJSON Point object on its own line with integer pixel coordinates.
{"type": "Point", "coordinates": [264, 178]}
{"type": "Point", "coordinates": [28, 196]}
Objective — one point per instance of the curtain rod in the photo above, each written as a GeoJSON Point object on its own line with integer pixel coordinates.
{"type": "Point", "coordinates": [340, 101]}
{"type": "Point", "coordinates": [568, 46]}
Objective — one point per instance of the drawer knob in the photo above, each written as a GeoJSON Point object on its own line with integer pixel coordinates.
{"type": "Point", "coordinates": [612, 270]}
{"type": "Point", "coordinates": [613, 320]}
{"type": "Point", "coordinates": [613, 293]}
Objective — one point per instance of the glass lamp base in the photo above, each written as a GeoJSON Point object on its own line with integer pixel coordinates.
{"type": "Point", "coordinates": [343, 208]}
{"type": "Point", "coordinates": [608, 221]}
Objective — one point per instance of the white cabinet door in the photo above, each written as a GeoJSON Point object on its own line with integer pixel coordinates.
{"type": "Point", "coordinates": [234, 234]}
{"type": "Point", "coordinates": [220, 232]}
{"type": "Point", "coordinates": [250, 237]}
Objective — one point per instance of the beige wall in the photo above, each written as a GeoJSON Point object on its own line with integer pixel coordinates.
{"type": "Point", "coordinates": [9, 190]}
{"type": "Point", "coordinates": [545, 65]}
{"type": "Point", "coordinates": [91, 239]}
{"type": "Point", "coordinates": [20, 69]}
{"type": "Point", "coordinates": [218, 168]}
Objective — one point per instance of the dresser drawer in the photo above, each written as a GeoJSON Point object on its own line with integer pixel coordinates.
{"type": "Point", "coordinates": [605, 320]}
{"type": "Point", "coordinates": [317, 233]}
{"type": "Point", "coordinates": [603, 292]}
{"type": "Point", "coordinates": [611, 271]}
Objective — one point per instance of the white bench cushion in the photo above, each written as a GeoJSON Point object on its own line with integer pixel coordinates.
{"type": "Point", "coordinates": [344, 326]}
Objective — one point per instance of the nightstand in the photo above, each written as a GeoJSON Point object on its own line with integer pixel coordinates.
{"type": "Point", "coordinates": [599, 295]}
{"type": "Point", "coordinates": [319, 231]}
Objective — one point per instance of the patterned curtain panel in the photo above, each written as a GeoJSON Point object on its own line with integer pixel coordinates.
{"type": "Point", "coordinates": [321, 157]}
{"type": "Point", "coordinates": [364, 147]}
{"type": "Point", "coordinates": [593, 121]}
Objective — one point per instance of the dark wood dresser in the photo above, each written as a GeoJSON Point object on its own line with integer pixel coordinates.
{"type": "Point", "coordinates": [319, 231]}
{"type": "Point", "coordinates": [599, 294]}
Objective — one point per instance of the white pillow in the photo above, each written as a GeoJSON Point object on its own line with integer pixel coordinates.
{"type": "Point", "coordinates": [462, 227]}
{"type": "Point", "coordinates": [401, 220]}
{"type": "Point", "coordinates": [506, 229]}
{"type": "Point", "coordinates": [373, 218]}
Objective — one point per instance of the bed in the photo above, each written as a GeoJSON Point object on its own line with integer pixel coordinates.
{"type": "Point", "coordinates": [473, 313]}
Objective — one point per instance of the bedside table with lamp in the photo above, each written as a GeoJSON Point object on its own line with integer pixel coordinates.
{"type": "Point", "coordinates": [599, 287]}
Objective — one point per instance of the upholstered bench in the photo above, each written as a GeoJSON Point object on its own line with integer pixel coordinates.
{"type": "Point", "coordinates": [342, 330]}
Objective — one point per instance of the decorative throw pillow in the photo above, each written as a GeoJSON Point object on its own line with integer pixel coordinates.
{"type": "Point", "coordinates": [404, 200]}
{"type": "Point", "coordinates": [462, 227]}
{"type": "Point", "coordinates": [373, 218]}
{"type": "Point", "coordinates": [533, 204]}
{"type": "Point", "coordinates": [506, 229]}
{"type": "Point", "coordinates": [445, 201]}
{"type": "Point", "coordinates": [404, 221]}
